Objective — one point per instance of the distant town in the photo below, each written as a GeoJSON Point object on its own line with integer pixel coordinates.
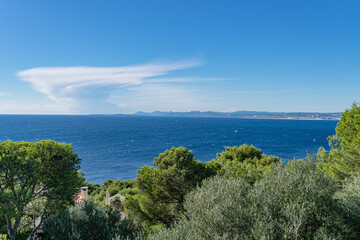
{"type": "Point", "coordinates": [249, 115]}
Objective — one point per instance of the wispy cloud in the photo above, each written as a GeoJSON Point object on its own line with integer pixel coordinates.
{"type": "Point", "coordinates": [69, 83]}
{"type": "Point", "coordinates": [146, 87]}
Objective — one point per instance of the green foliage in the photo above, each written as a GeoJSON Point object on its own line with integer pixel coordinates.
{"type": "Point", "coordinates": [98, 193]}
{"type": "Point", "coordinates": [86, 221]}
{"type": "Point", "coordinates": [295, 201]}
{"type": "Point", "coordinates": [128, 229]}
{"type": "Point", "coordinates": [33, 211]}
{"type": "Point", "coordinates": [247, 162]}
{"type": "Point", "coordinates": [29, 171]}
{"type": "Point", "coordinates": [217, 210]}
{"type": "Point", "coordinates": [161, 190]}
{"type": "Point", "coordinates": [91, 222]}
{"type": "Point", "coordinates": [343, 160]}
{"type": "Point", "coordinates": [350, 200]}
{"type": "Point", "coordinates": [3, 227]}
{"type": "Point", "coordinates": [290, 202]}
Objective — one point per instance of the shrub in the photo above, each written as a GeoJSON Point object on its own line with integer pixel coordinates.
{"type": "Point", "coordinates": [350, 200]}
{"type": "Point", "coordinates": [88, 221]}
{"type": "Point", "coordinates": [218, 209]}
{"type": "Point", "coordinates": [295, 201]}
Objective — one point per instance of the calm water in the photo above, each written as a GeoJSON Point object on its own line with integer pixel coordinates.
{"type": "Point", "coordinates": [116, 146]}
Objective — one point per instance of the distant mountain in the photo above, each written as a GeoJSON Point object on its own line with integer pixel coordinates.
{"type": "Point", "coordinates": [248, 115]}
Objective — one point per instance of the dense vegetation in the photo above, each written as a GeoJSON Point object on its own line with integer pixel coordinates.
{"type": "Point", "coordinates": [98, 193]}
{"type": "Point", "coordinates": [246, 162]}
{"type": "Point", "coordinates": [92, 222]}
{"type": "Point", "coordinates": [295, 201]}
{"type": "Point", "coordinates": [343, 160]}
{"type": "Point", "coordinates": [242, 194]}
{"type": "Point", "coordinates": [161, 190]}
{"type": "Point", "coordinates": [41, 176]}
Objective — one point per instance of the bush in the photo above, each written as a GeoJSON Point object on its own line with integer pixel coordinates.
{"type": "Point", "coordinates": [128, 229]}
{"type": "Point", "coordinates": [84, 221]}
{"type": "Point", "coordinates": [88, 221]}
{"type": "Point", "coordinates": [350, 200]}
{"type": "Point", "coordinates": [217, 210]}
{"type": "Point", "coordinates": [295, 201]}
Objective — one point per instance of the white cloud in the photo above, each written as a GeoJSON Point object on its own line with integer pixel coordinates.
{"type": "Point", "coordinates": [112, 89]}
{"type": "Point", "coordinates": [69, 83]}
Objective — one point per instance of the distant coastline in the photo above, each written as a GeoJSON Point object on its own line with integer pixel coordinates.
{"type": "Point", "coordinates": [247, 115]}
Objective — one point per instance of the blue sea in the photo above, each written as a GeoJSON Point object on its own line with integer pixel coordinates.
{"type": "Point", "coordinates": [116, 146]}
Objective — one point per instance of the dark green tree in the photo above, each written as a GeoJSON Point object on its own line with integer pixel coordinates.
{"type": "Point", "coordinates": [161, 190]}
{"type": "Point", "coordinates": [247, 162]}
{"type": "Point", "coordinates": [44, 170]}
{"type": "Point", "coordinates": [343, 160]}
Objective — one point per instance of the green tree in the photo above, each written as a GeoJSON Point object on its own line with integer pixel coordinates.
{"type": "Point", "coordinates": [343, 160]}
{"type": "Point", "coordinates": [162, 189]}
{"type": "Point", "coordinates": [247, 162]}
{"type": "Point", "coordinates": [295, 201]}
{"type": "Point", "coordinates": [44, 170]}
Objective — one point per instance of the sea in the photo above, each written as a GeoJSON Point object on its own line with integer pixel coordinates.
{"type": "Point", "coordinates": [116, 146]}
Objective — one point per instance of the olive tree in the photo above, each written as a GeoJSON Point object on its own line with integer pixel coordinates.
{"type": "Point", "coordinates": [295, 201]}
{"type": "Point", "coordinates": [91, 222]}
{"type": "Point", "coordinates": [219, 209]}
{"type": "Point", "coordinates": [31, 171]}
{"type": "Point", "coordinates": [349, 197]}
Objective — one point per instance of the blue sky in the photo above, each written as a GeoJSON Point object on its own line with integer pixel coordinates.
{"type": "Point", "coordinates": [80, 57]}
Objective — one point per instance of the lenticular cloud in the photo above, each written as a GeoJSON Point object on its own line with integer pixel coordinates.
{"type": "Point", "coordinates": [60, 83]}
